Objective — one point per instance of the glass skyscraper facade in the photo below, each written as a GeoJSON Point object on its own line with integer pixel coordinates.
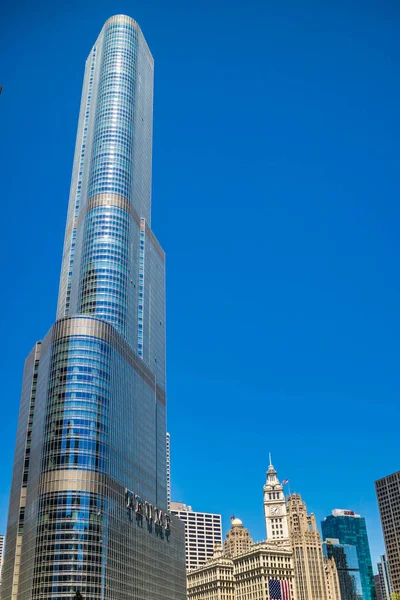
{"type": "Point", "coordinates": [346, 561]}
{"type": "Point", "coordinates": [349, 528]}
{"type": "Point", "coordinates": [88, 506]}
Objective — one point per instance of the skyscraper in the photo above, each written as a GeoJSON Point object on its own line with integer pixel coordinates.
{"type": "Point", "coordinates": [378, 588]}
{"type": "Point", "coordinates": [388, 494]}
{"type": "Point", "coordinates": [309, 566]}
{"type": "Point", "coordinates": [384, 578]}
{"type": "Point", "coordinates": [350, 528]}
{"type": "Point", "coordinates": [345, 557]}
{"type": "Point", "coordinates": [88, 506]}
{"type": "Point", "coordinates": [203, 531]}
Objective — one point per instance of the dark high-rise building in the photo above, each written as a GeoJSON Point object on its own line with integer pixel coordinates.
{"type": "Point", "coordinates": [350, 529]}
{"type": "Point", "coordinates": [345, 557]}
{"type": "Point", "coordinates": [388, 494]}
{"type": "Point", "coordinates": [378, 587]}
{"type": "Point", "coordinates": [88, 506]}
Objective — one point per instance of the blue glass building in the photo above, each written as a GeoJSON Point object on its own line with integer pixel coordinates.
{"type": "Point", "coordinates": [88, 506]}
{"type": "Point", "coordinates": [350, 529]}
{"type": "Point", "coordinates": [345, 557]}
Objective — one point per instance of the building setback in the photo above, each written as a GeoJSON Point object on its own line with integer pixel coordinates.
{"type": "Point", "coordinates": [88, 505]}
{"type": "Point", "coordinates": [203, 531]}
{"type": "Point", "coordinates": [388, 494]}
{"type": "Point", "coordinates": [350, 529]}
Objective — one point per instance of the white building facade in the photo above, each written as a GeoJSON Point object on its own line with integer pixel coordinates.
{"type": "Point", "coordinates": [203, 531]}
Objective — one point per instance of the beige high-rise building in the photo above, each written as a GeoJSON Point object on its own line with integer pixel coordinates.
{"type": "Point", "coordinates": [248, 576]}
{"type": "Point", "coordinates": [331, 579]}
{"type": "Point", "coordinates": [307, 551]}
{"type": "Point", "coordinates": [237, 539]}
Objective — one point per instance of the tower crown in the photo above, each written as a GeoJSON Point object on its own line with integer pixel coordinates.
{"type": "Point", "coordinates": [272, 482]}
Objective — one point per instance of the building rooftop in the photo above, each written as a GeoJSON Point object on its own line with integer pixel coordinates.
{"type": "Point", "coordinates": [340, 512]}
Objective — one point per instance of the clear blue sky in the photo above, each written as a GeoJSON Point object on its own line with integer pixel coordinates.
{"type": "Point", "coordinates": [276, 198]}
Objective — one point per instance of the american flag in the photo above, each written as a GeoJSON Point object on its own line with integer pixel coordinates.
{"type": "Point", "coordinates": [279, 590]}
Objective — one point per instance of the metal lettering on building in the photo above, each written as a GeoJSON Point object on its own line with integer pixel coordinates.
{"type": "Point", "coordinates": [144, 510]}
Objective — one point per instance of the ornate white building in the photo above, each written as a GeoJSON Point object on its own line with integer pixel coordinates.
{"type": "Point", "coordinates": [275, 513]}
{"type": "Point", "coordinates": [249, 575]}
{"type": "Point", "coordinates": [289, 525]}
{"type": "Point", "coordinates": [288, 565]}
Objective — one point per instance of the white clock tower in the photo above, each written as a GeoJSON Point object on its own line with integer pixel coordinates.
{"type": "Point", "coordinates": [275, 507]}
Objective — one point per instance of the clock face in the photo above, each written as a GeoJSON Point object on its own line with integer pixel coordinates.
{"type": "Point", "coordinates": [275, 510]}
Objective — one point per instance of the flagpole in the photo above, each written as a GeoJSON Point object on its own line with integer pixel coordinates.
{"type": "Point", "coordinates": [287, 482]}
